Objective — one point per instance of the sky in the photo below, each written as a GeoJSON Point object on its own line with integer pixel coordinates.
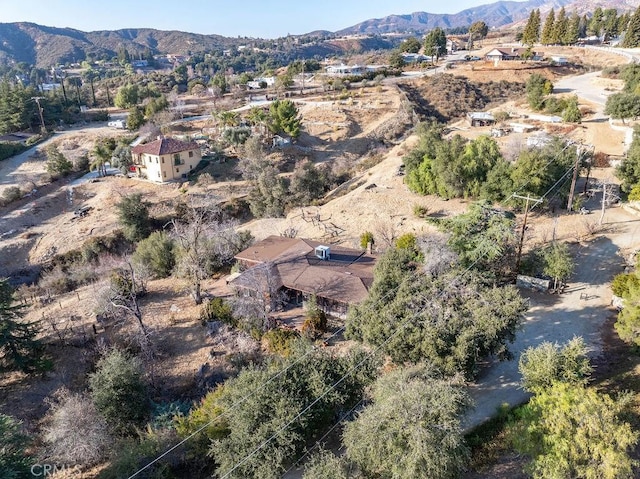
{"type": "Point", "coordinates": [252, 18]}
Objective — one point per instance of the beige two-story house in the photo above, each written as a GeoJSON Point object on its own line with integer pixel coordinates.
{"type": "Point", "coordinates": [165, 159]}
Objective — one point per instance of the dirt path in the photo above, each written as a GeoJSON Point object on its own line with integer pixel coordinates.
{"type": "Point", "coordinates": [580, 311]}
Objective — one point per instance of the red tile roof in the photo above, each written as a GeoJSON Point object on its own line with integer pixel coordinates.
{"type": "Point", "coordinates": [164, 146]}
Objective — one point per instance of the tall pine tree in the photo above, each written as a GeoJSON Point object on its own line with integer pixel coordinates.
{"type": "Point", "coordinates": [632, 35]}
{"type": "Point", "coordinates": [573, 30]}
{"type": "Point", "coordinates": [560, 27]}
{"type": "Point", "coordinates": [19, 348]}
{"type": "Point", "coordinates": [548, 29]}
{"type": "Point", "coordinates": [531, 33]}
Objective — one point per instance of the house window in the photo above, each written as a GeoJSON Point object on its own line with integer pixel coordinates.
{"type": "Point", "coordinates": [191, 154]}
{"type": "Point", "coordinates": [157, 160]}
{"type": "Point", "coordinates": [176, 160]}
{"type": "Point", "coordinates": [177, 170]}
{"type": "Point", "coordinates": [163, 160]}
{"type": "Point", "coordinates": [191, 167]}
{"type": "Point", "coordinates": [164, 174]}
{"type": "Point", "coordinates": [158, 174]}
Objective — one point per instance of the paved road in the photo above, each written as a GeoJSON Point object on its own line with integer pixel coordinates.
{"type": "Point", "coordinates": [558, 318]}
{"type": "Point", "coordinates": [585, 87]}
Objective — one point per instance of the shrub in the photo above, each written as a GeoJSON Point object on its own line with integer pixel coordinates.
{"type": "Point", "coordinates": [7, 150]}
{"type": "Point", "coordinates": [57, 163]}
{"type": "Point", "coordinates": [366, 238]}
{"type": "Point", "coordinates": [623, 282]}
{"type": "Point", "coordinates": [119, 391]}
{"type": "Point", "coordinates": [12, 193]}
{"type": "Point", "coordinates": [217, 310]}
{"type": "Point", "coordinates": [420, 211]}
{"type": "Point", "coordinates": [131, 454]}
{"type": "Point", "coordinates": [548, 363]}
{"type": "Point", "coordinates": [76, 433]}
{"type": "Point", "coordinates": [133, 214]}
{"type": "Point", "coordinates": [407, 241]}
{"type": "Point", "coordinates": [280, 341]}
{"type": "Point", "coordinates": [157, 253]}
{"type": "Point", "coordinates": [316, 322]}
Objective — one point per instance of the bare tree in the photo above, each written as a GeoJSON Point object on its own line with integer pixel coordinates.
{"type": "Point", "coordinates": [206, 242]}
{"type": "Point", "coordinates": [259, 293]}
{"type": "Point", "coordinates": [119, 297]}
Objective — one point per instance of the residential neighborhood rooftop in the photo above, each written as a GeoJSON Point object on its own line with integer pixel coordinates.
{"type": "Point", "coordinates": [164, 146]}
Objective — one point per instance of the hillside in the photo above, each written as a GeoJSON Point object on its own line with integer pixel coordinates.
{"type": "Point", "coordinates": [46, 46]}
{"type": "Point", "coordinates": [496, 14]}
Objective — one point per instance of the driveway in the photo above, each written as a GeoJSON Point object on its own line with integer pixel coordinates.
{"type": "Point", "coordinates": [580, 311]}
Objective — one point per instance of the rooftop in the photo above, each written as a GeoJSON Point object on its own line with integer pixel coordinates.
{"type": "Point", "coordinates": [164, 146]}
{"type": "Point", "coordinates": [292, 263]}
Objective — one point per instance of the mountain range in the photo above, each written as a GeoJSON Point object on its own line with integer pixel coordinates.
{"type": "Point", "coordinates": [46, 46]}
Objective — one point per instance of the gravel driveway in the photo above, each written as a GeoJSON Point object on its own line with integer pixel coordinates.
{"type": "Point", "coordinates": [580, 311]}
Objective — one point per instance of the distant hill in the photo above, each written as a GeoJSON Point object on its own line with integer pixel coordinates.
{"type": "Point", "coordinates": [47, 46]}
{"type": "Point", "coordinates": [496, 14]}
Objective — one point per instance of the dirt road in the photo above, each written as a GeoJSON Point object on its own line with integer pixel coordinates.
{"type": "Point", "coordinates": [580, 311]}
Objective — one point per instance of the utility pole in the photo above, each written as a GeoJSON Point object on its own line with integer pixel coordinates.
{"type": "Point", "coordinates": [524, 225]}
{"type": "Point", "coordinates": [37, 100]}
{"type": "Point", "coordinates": [604, 201]}
{"type": "Point", "coordinates": [576, 168]}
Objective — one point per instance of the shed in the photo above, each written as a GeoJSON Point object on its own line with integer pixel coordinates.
{"type": "Point", "coordinates": [479, 118]}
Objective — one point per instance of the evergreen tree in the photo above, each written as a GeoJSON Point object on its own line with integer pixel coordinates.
{"type": "Point", "coordinates": [584, 24]}
{"type": "Point", "coordinates": [572, 33]}
{"type": "Point", "coordinates": [549, 29]}
{"type": "Point", "coordinates": [435, 43]}
{"type": "Point", "coordinates": [560, 27]}
{"type": "Point", "coordinates": [610, 23]}
{"type": "Point", "coordinates": [632, 36]}
{"type": "Point", "coordinates": [595, 25]}
{"type": "Point", "coordinates": [531, 33]}
{"type": "Point", "coordinates": [19, 348]}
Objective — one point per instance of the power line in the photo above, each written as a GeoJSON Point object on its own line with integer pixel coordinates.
{"type": "Point", "coordinates": [344, 376]}
{"type": "Point", "coordinates": [245, 398]}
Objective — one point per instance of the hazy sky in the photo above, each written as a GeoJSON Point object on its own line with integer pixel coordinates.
{"type": "Point", "coordinates": [256, 18]}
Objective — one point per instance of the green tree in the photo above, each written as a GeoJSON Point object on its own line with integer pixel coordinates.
{"type": "Point", "coordinates": [135, 118]}
{"type": "Point", "coordinates": [284, 118]}
{"type": "Point", "coordinates": [628, 323]}
{"type": "Point", "coordinates": [572, 33]}
{"type": "Point", "coordinates": [632, 35]}
{"type": "Point", "coordinates": [560, 27]}
{"type": "Point", "coordinates": [127, 96]}
{"type": "Point", "coordinates": [264, 403]}
{"type": "Point", "coordinates": [14, 461]}
{"type": "Point", "coordinates": [629, 169]}
{"type": "Point", "coordinates": [119, 392]}
{"type": "Point", "coordinates": [558, 262]}
{"type": "Point", "coordinates": [412, 428]}
{"type": "Point", "coordinates": [133, 214]}
{"type": "Point", "coordinates": [157, 253]}
{"type": "Point", "coordinates": [57, 163]}
{"type": "Point", "coordinates": [219, 80]}
{"type": "Point", "coordinates": [20, 350]}
{"type": "Point", "coordinates": [572, 431]}
{"type": "Point", "coordinates": [548, 31]}
{"type": "Point", "coordinates": [324, 465]}
{"type": "Point", "coordinates": [610, 23]}
{"type": "Point", "coordinates": [595, 24]}
{"type": "Point", "coordinates": [268, 196]}
{"type": "Point", "coordinates": [396, 60]}
{"type": "Point", "coordinates": [416, 315]}
{"type": "Point", "coordinates": [572, 113]}
{"type": "Point", "coordinates": [531, 33]}
{"type": "Point", "coordinates": [538, 87]}
{"type": "Point", "coordinates": [623, 105]}
{"type": "Point", "coordinates": [478, 30]}
{"type": "Point", "coordinates": [541, 367]}
{"type": "Point", "coordinates": [101, 153]}
{"type": "Point", "coordinates": [435, 43]}
{"type": "Point", "coordinates": [410, 45]}
{"type": "Point", "coordinates": [308, 183]}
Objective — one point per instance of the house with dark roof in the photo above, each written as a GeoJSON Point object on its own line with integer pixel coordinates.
{"type": "Point", "coordinates": [499, 54]}
{"type": "Point", "coordinates": [165, 159]}
{"type": "Point", "coordinates": [336, 276]}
